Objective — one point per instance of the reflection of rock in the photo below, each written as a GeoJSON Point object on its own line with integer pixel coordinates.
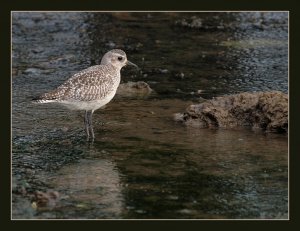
{"type": "Point", "coordinates": [135, 89]}
{"type": "Point", "coordinates": [264, 110]}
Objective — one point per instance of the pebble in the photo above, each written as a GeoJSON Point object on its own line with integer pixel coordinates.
{"type": "Point", "coordinates": [32, 71]}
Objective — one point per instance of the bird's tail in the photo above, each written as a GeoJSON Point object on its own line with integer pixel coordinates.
{"type": "Point", "coordinates": [41, 100]}
{"type": "Point", "coordinates": [50, 97]}
{"type": "Point", "coordinates": [44, 99]}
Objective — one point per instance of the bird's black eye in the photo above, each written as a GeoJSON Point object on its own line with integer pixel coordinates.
{"type": "Point", "coordinates": [120, 58]}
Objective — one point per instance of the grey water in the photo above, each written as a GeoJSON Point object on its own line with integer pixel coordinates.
{"type": "Point", "coordinates": [143, 165]}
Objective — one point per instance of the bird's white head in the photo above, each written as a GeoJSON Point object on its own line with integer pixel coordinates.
{"type": "Point", "coordinates": [116, 58]}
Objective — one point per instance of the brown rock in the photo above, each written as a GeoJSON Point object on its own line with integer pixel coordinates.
{"type": "Point", "coordinates": [264, 110]}
{"type": "Point", "coordinates": [134, 89]}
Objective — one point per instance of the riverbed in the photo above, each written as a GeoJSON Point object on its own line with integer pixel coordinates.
{"type": "Point", "coordinates": [142, 164]}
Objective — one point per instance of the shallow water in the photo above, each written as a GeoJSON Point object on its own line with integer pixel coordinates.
{"type": "Point", "coordinates": [143, 164]}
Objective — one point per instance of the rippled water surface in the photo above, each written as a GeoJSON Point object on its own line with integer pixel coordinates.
{"type": "Point", "coordinates": [143, 164]}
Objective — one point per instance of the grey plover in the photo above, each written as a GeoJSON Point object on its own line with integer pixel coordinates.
{"type": "Point", "coordinates": [90, 88]}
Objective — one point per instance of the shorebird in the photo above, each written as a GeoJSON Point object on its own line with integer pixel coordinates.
{"type": "Point", "coordinates": [91, 88]}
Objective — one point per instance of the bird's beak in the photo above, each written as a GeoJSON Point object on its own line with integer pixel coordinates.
{"type": "Point", "coordinates": [132, 64]}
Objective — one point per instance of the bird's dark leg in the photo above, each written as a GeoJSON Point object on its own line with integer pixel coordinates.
{"type": "Point", "coordinates": [86, 124]}
{"type": "Point", "coordinates": [91, 125]}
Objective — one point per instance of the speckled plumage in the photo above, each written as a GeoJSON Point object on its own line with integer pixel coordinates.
{"type": "Point", "coordinates": [94, 83]}
{"type": "Point", "coordinates": [90, 88]}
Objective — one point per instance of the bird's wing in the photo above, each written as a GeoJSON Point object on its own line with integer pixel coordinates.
{"type": "Point", "coordinates": [89, 84]}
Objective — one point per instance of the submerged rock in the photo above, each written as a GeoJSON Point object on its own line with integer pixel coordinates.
{"type": "Point", "coordinates": [193, 22]}
{"type": "Point", "coordinates": [267, 111]}
{"type": "Point", "coordinates": [45, 199]}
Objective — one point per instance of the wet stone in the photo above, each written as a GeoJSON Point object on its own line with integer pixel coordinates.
{"type": "Point", "coordinates": [267, 111]}
{"type": "Point", "coordinates": [134, 89]}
